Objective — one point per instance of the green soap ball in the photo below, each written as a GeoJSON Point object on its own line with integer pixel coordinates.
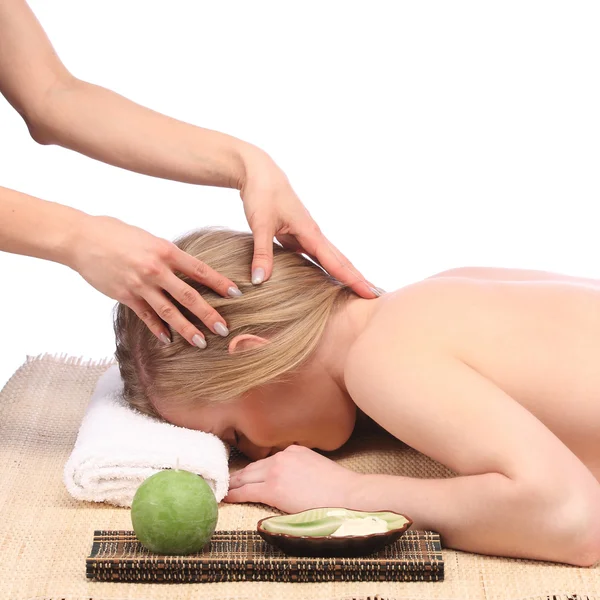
{"type": "Point", "coordinates": [174, 512]}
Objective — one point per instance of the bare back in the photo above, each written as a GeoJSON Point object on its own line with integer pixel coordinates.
{"type": "Point", "coordinates": [535, 335]}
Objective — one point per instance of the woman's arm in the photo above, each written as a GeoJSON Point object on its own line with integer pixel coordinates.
{"type": "Point", "coordinates": [521, 491]}
{"type": "Point", "coordinates": [488, 513]}
{"type": "Point", "coordinates": [124, 262]}
{"type": "Point", "coordinates": [491, 514]}
{"type": "Point", "coordinates": [35, 227]}
{"type": "Point", "coordinates": [61, 109]}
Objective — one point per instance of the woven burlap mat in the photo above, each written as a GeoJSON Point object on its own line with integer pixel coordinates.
{"type": "Point", "coordinates": [45, 535]}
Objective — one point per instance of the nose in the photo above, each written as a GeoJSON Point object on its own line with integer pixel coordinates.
{"type": "Point", "coordinates": [263, 453]}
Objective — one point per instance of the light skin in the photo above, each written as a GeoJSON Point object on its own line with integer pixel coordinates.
{"type": "Point", "coordinates": [492, 372]}
{"type": "Point", "coordinates": [124, 262]}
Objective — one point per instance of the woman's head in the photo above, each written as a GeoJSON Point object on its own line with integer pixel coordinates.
{"type": "Point", "coordinates": [274, 329]}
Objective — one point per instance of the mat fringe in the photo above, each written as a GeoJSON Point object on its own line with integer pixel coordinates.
{"type": "Point", "coordinates": [67, 359]}
{"type": "Point", "coordinates": [561, 596]}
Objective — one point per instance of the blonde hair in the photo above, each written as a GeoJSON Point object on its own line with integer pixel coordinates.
{"type": "Point", "coordinates": [291, 310]}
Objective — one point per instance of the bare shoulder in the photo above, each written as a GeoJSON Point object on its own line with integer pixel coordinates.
{"type": "Point", "coordinates": [412, 313]}
{"type": "Point", "coordinates": [409, 323]}
{"type": "Point", "coordinates": [405, 374]}
{"type": "Point", "coordinates": [416, 327]}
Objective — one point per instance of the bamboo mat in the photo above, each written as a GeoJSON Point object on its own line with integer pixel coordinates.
{"type": "Point", "coordinates": [244, 556]}
{"type": "Point", "coordinates": [46, 536]}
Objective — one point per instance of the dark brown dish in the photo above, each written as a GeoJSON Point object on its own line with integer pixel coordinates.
{"type": "Point", "coordinates": [316, 532]}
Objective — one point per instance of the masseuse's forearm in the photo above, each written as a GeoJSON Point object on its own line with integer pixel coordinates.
{"type": "Point", "coordinates": [35, 227]}
{"type": "Point", "coordinates": [61, 109]}
{"type": "Point", "coordinates": [102, 124]}
{"type": "Point", "coordinates": [489, 514]}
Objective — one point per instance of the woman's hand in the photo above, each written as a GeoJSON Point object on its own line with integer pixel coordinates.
{"type": "Point", "coordinates": [136, 268]}
{"type": "Point", "coordinates": [273, 210]}
{"type": "Point", "coordinates": [293, 480]}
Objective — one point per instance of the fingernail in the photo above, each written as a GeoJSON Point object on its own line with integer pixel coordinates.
{"type": "Point", "coordinates": [164, 338]}
{"type": "Point", "coordinates": [199, 341]}
{"type": "Point", "coordinates": [258, 275]}
{"type": "Point", "coordinates": [234, 292]}
{"type": "Point", "coordinates": [376, 291]}
{"type": "Point", "coordinates": [221, 329]}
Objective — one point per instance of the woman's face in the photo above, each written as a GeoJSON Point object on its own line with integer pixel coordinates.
{"type": "Point", "coordinates": [309, 411]}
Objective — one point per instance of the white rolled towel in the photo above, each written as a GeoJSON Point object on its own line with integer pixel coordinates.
{"type": "Point", "coordinates": [118, 447]}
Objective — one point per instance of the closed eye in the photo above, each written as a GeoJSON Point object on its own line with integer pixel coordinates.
{"type": "Point", "coordinates": [232, 440]}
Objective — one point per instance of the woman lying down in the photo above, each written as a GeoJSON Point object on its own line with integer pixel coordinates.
{"type": "Point", "coordinates": [492, 372]}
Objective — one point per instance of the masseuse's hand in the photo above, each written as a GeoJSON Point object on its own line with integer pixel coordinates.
{"type": "Point", "coordinates": [273, 210]}
{"type": "Point", "coordinates": [293, 480]}
{"type": "Point", "coordinates": [136, 268]}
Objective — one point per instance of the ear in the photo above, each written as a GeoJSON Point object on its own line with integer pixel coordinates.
{"type": "Point", "coordinates": [246, 342]}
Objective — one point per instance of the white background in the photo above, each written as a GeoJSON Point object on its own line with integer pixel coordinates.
{"type": "Point", "coordinates": [420, 135]}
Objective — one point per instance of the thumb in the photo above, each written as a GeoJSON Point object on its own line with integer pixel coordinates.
{"type": "Point", "coordinates": [262, 261]}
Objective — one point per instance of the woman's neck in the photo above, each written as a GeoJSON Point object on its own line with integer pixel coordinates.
{"type": "Point", "coordinates": [342, 331]}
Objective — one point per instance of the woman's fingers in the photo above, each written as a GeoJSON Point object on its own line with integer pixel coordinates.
{"type": "Point", "coordinates": [262, 260]}
{"type": "Point", "coordinates": [136, 268]}
{"type": "Point", "coordinates": [273, 208]}
{"type": "Point", "coordinates": [333, 261]}
{"type": "Point", "coordinates": [253, 473]}
{"type": "Point", "coordinates": [249, 484]}
{"type": "Point", "coordinates": [202, 273]}
{"type": "Point", "coordinates": [252, 492]}
{"type": "Point", "coordinates": [155, 307]}
{"type": "Point", "coordinates": [291, 243]}
{"type": "Point", "coordinates": [145, 312]}
{"type": "Point", "coordinates": [168, 312]}
{"type": "Point", "coordinates": [187, 296]}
